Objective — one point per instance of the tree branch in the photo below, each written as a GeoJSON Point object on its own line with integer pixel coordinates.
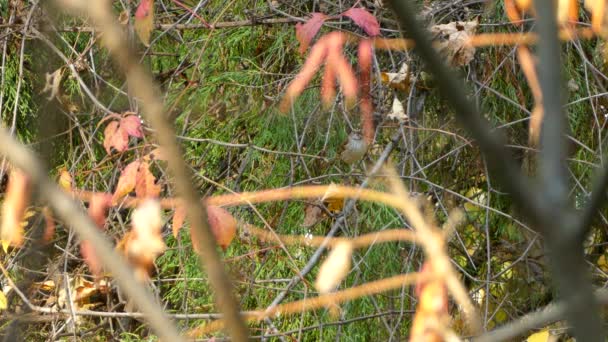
{"type": "Point", "coordinates": [70, 213]}
{"type": "Point", "coordinates": [143, 88]}
{"type": "Point", "coordinates": [490, 142]}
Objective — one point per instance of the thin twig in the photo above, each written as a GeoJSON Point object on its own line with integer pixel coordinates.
{"type": "Point", "coordinates": [143, 88]}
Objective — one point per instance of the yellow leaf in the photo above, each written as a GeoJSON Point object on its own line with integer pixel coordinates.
{"type": "Point", "coordinates": [542, 336]}
{"type": "Point", "coordinates": [3, 301]}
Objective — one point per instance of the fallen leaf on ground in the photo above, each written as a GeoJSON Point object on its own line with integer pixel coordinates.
{"type": "Point", "coordinates": [453, 41]}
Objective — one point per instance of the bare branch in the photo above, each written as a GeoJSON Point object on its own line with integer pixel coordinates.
{"type": "Point", "coordinates": [69, 212]}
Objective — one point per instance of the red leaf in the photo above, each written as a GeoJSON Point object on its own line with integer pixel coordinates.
{"type": "Point", "coordinates": [144, 20]}
{"type": "Point", "coordinates": [364, 20]}
{"type": "Point", "coordinates": [144, 9]}
{"type": "Point", "coordinates": [132, 125]}
{"type": "Point", "coordinates": [306, 32]}
{"type": "Point", "coordinates": [145, 185]}
{"type": "Point", "coordinates": [127, 180]}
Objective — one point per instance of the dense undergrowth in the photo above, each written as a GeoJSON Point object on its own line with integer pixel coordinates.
{"type": "Point", "coordinates": [222, 88]}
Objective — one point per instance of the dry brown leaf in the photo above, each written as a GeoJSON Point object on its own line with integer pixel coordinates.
{"type": "Point", "coordinates": [399, 80]}
{"type": "Point", "coordinates": [313, 214]}
{"type": "Point", "coordinates": [453, 41]}
{"type": "Point", "coordinates": [126, 181]}
{"type": "Point", "coordinates": [98, 207]}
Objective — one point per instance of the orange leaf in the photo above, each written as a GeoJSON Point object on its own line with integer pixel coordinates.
{"type": "Point", "coordinates": [49, 228]}
{"type": "Point", "coordinates": [127, 181]}
{"type": "Point", "coordinates": [13, 209]}
{"type": "Point", "coordinates": [115, 137]}
{"type": "Point", "coordinates": [307, 31]}
{"type": "Point", "coordinates": [364, 20]}
{"type": "Point", "coordinates": [144, 21]}
{"type": "Point", "coordinates": [222, 225]}
{"type": "Point", "coordinates": [145, 185]}
{"type": "Point", "coordinates": [179, 216]}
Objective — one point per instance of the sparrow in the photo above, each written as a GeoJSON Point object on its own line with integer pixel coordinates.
{"type": "Point", "coordinates": [354, 148]}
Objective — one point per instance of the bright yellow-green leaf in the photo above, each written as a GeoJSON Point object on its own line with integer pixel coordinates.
{"type": "Point", "coordinates": [3, 301]}
{"type": "Point", "coordinates": [542, 336]}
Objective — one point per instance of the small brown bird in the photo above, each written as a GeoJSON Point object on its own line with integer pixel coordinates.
{"type": "Point", "coordinates": [354, 148]}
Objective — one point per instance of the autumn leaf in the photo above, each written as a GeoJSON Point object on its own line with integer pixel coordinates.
{"type": "Point", "coordinates": [49, 227]}
{"type": "Point", "coordinates": [65, 180]}
{"type": "Point", "coordinates": [144, 243]}
{"type": "Point", "coordinates": [116, 133]}
{"type": "Point", "coordinates": [307, 31]}
{"type": "Point", "coordinates": [364, 20]}
{"type": "Point", "coordinates": [98, 207]}
{"type": "Point", "coordinates": [132, 125]}
{"type": "Point", "coordinates": [14, 210]}
{"type": "Point", "coordinates": [145, 185]}
{"type": "Point", "coordinates": [126, 181]}
{"type": "Point", "coordinates": [115, 137]}
{"type": "Point", "coordinates": [222, 225]}
{"type": "Point", "coordinates": [144, 20]}
{"type": "Point", "coordinates": [179, 216]}
{"type": "Point", "coordinates": [453, 41]}
{"type": "Point", "coordinates": [312, 215]}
